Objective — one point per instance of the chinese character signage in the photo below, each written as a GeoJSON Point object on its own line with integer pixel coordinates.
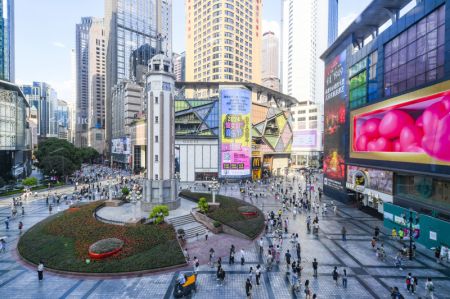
{"type": "Point", "coordinates": [235, 141]}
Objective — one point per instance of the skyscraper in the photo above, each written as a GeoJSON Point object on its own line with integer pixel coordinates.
{"type": "Point", "coordinates": [179, 66]}
{"type": "Point", "coordinates": [82, 80]}
{"type": "Point", "coordinates": [223, 40]}
{"type": "Point", "coordinates": [130, 24]}
{"type": "Point", "coordinates": [270, 61]}
{"type": "Point", "coordinates": [7, 40]}
{"type": "Point", "coordinates": [96, 75]}
{"type": "Point", "coordinates": [307, 28]}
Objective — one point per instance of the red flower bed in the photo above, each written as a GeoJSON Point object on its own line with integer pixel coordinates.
{"type": "Point", "coordinates": [99, 256]}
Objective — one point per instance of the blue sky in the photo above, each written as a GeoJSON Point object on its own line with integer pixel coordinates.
{"type": "Point", "coordinates": [45, 35]}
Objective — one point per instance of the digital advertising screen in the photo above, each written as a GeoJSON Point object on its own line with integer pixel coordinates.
{"type": "Point", "coordinates": [334, 126]}
{"type": "Point", "coordinates": [235, 127]}
{"type": "Point", "coordinates": [305, 139]}
{"type": "Point", "coordinates": [378, 180]}
{"type": "Point", "coordinates": [121, 146]}
{"type": "Point", "coordinates": [412, 128]}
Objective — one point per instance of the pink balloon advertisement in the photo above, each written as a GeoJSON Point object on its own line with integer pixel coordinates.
{"type": "Point", "coordinates": [420, 126]}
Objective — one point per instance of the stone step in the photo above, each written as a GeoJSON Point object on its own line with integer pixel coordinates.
{"type": "Point", "coordinates": [181, 220]}
{"type": "Point", "coordinates": [192, 232]}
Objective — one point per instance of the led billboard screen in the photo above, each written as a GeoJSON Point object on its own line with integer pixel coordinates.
{"type": "Point", "coordinates": [121, 146]}
{"type": "Point", "coordinates": [334, 127]}
{"type": "Point", "coordinates": [413, 128]}
{"type": "Point", "coordinates": [235, 126]}
{"type": "Point", "coordinates": [305, 139]}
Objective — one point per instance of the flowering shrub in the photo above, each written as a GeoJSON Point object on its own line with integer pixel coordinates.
{"type": "Point", "coordinates": [63, 242]}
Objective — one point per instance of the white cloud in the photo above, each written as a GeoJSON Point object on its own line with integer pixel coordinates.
{"type": "Point", "coordinates": [58, 44]}
{"type": "Point", "coordinates": [271, 26]}
{"type": "Point", "coordinates": [345, 21]}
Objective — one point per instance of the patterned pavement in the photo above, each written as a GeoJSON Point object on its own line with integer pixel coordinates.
{"type": "Point", "coordinates": [368, 277]}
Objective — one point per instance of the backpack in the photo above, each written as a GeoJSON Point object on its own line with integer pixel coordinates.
{"type": "Point", "coordinates": [335, 274]}
{"type": "Point", "coordinates": [430, 287]}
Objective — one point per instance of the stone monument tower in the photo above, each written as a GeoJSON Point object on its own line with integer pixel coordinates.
{"type": "Point", "coordinates": [160, 186]}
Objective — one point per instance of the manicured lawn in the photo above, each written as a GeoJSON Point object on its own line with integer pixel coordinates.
{"type": "Point", "coordinates": [63, 241]}
{"type": "Point", "coordinates": [229, 214]}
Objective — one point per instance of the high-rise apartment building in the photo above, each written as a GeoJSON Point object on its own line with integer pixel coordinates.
{"type": "Point", "coordinates": [82, 80]}
{"type": "Point", "coordinates": [7, 40]}
{"type": "Point", "coordinates": [223, 40]}
{"type": "Point", "coordinates": [270, 61]}
{"type": "Point", "coordinates": [129, 24]}
{"type": "Point", "coordinates": [96, 83]}
{"type": "Point", "coordinates": [179, 66]}
{"type": "Point", "coordinates": [305, 35]}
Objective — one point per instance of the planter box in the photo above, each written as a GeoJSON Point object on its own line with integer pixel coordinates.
{"type": "Point", "coordinates": [113, 203]}
{"type": "Point", "coordinates": [206, 221]}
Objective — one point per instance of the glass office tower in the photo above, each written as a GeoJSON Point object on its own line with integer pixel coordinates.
{"type": "Point", "coordinates": [7, 40]}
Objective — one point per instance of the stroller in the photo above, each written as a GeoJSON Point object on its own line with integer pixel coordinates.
{"type": "Point", "coordinates": [185, 289]}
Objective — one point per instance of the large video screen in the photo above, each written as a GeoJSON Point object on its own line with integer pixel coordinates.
{"type": "Point", "coordinates": [305, 139]}
{"type": "Point", "coordinates": [235, 141]}
{"type": "Point", "coordinates": [121, 146]}
{"type": "Point", "coordinates": [413, 128]}
{"type": "Point", "coordinates": [334, 127]}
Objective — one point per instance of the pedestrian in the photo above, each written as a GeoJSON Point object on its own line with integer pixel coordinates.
{"type": "Point", "coordinates": [221, 276]}
{"type": "Point", "coordinates": [206, 236]}
{"type": "Point", "coordinates": [211, 257]}
{"type": "Point", "coordinates": [242, 257]}
{"type": "Point", "coordinates": [307, 290]}
{"type": "Point", "coordinates": [23, 211]}
{"type": "Point", "coordinates": [344, 233]}
{"type": "Point", "coordinates": [269, 260]}
{"type": "Point", "coordinates": [250, 274]}
{"type": "Point", "coordinates": [315, 265]}
{"type": "Point", "coordinates": [258, 274]}
{"type": "Point", "coordinates": [196, 265]}
{"type": "Point", "coordinates": [437, 254]}
{"type": "Point", "coordinates": [408, 282]}
{"type": "Point", "coordinates": [20, 226]}
{"type": "Point", "coordinates": [401, 234]}
{"type": "Point", "coordinates": [298, 249]}
{"type": "Point", "coordinates": [261, 246]}
{"type": "Point", "coordinates": [373, 242]}
{"type": "Point", "coordinates": [429, 287]}
{"type": "Point", "coordinates": [2, 245]}
{"type": "Point", "coordinates": [377, 232]}
{"type": "Point", "coordinates": [414, 283]}
{"type": "Point", "coordinates": [248, 288]}
{"type": "Point", "coordinates": [288, 259]}
{"type": "Point", "coordinates": [40, 270]}
{"type": "Point", "coordinates": [344, 279]}
{"type": "Point", "coordinates": [186, 255]}
{"type": "Point", "coordinates": [7, 222]}
{"type": "Point", "coordinates": [335, 275]}
{"type": "Point", "coordinates": [50, 209]}
{"type": "Point", "coordinates": [394, 233]}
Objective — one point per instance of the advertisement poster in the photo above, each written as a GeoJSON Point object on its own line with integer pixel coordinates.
{"type": "Point", "coordinates": [334, 127]}
{"type": "Point", "coordinates": [378, 180]}
{"type": "Point", "coordinates": [305, 139]}
{"type": "Point", "coordinates": [121, 146]}
{"type": "Point", "coordinates": [235, 141]}
{"type": "Point", "coordinates": [414, 131]}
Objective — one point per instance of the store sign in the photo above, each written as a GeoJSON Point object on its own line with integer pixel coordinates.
{"type": "Point", "coordinates": [433, 236]}
{"type": "Point", "coordinates": [235, 141]}
{"type": "Point", "coordinates": [375, 179]}
{"type": "Point", "coordinates": [334, 130]}
{"type": "Point", "coordinates": [360, 181]}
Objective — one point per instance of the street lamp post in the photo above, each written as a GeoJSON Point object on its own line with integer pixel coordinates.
{"type": "Point", "coordinates": [215, 185]}
{"type": "Point", "coordinates": [410, 234]}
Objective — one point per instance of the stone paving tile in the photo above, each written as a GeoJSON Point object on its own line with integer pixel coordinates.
{"type": "Point", "coordinates": [420, 272]}
{"type": "Point", "coordinates": [81, 289]}
{"type": "Point", "coordinates": [373, 284]}
{"type": "Point", "coordinates": [325, 287]}
{"type": "Point", "coordinates": [441, 287]}
{"type": "Point", "coordinates": [233, 287]}
{"type": "Point", "coordinates": [279, 285]}
{"type": "Point", "coordinates": [335, 227]}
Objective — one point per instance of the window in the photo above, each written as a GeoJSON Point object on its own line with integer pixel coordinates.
{"type": "Point", "coordinates": [416, 56]}
{"type": "Point", "coordinates": [372, 86]}
{"type": "Point", "coordinates": [156, 158]}
{"type": "Point", "coordinates": [156, 139]}
{"type": "Point", "coordinates": [156, 100]}
{"type": "Point", "coordinates": [156, 119]}
{"type": "Point", "coordinates": [358, 88]}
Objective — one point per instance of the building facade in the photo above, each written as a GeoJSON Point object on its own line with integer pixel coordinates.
{"type": "Point", "coordinates": [223, 40]}
{"type": "Point", "coordinates": [96, 86]}
{"type": "Point", "coordinates": [179, 66]}
{"type": "Point", "coordinates": [82, 80]}
{"type": "Point", "coordinates": [15, 136]}
{"type": "Point", "coordinates": [387, 110]}
{"type": "Point", "coordinates": [270, 61]}
{"type": "Point", "coordinates": [305, 35]}
{"type": "Point", "coordinates": [129, 24]}
{"type": "Point", "coordinates": [7, 49]}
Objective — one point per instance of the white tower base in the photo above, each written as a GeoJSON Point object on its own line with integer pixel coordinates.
{"type": "Point", "coordinates": [161, 192]}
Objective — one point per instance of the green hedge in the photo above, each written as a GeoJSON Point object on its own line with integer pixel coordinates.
{"type": "Point", "coordinates": [63, 241]}
{"type": "Point", "coordinates": [229, 214]}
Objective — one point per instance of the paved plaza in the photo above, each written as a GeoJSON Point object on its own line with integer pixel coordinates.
{"type": "Point", "coordinates": [368, 276]}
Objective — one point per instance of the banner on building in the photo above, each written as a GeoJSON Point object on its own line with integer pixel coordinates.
{"type": "Point", "coordinates": [305, 139]}
{"type": "Point", "coordinates": [121, 146]}
{"type": "Point", "coordinates": [235, 142]}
